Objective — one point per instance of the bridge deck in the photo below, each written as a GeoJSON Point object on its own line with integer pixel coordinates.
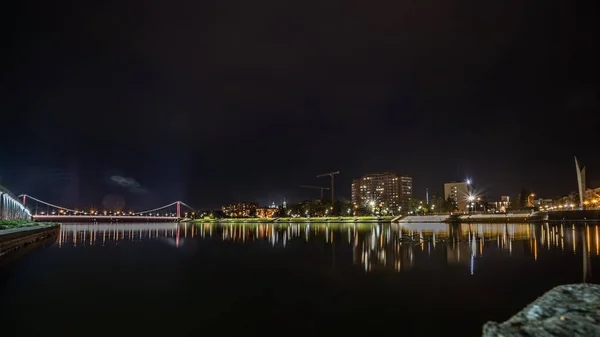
{"type": "Point", "coordinates": [102, 218]}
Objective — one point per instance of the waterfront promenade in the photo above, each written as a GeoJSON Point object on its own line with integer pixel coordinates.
{"type": "Point", "coordinates": [511, 217]}
{"type": "Point", "coordinates": [16, 238]}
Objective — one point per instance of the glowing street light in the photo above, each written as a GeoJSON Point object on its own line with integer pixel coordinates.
{"type": "Point", "coordinates": [372, 204]}
{"type": "Point", "coordinates": [471, 198]}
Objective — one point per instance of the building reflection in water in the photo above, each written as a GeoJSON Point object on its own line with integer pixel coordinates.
{"type": "Point", "coordinates": [372, 246]}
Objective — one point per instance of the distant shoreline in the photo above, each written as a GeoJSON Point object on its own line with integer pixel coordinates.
{"type": "Point", "coordinates": [444, 218]}
{"type": "Point", "coordinates": [373, 219]}
{"type": "Point", "coordinates": [386, 220]}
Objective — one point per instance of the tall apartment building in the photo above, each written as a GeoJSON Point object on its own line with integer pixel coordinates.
{"type": "Point", "coordinates": [406, 192]}
{"type": "Point", "coordinates": [388, 188]}
{"type": "Point", "coordinates": [459, 192]}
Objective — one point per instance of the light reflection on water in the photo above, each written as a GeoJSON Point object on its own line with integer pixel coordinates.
{"type": "Point", "coordinates": [308, 278]}
{"type": "Point", "coordinates": [374, 247]}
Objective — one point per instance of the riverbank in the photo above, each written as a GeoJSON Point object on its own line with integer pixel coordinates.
{"type": "Point", "coordinates": [493, 218]}
{"type": "Point", "coordinates": [497, 218]}
{"type": "Point", "coordinates": [469, 218]}
{"type": "Point", "coordinates": [10, 224]}
{"type": "Point", "coordinates": [568, 310]}
{"type": "Point", "coordinates": [342, 219]}
{"type": "Point", "coordinates": [24, 234]}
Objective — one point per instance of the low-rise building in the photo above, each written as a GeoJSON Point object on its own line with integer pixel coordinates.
{"type": "Point", "coordinates": [240, 210]}
{"type": "Point", "coordinates": [592, 194]}
{"type": "Point", "coordinates": [266, 212]}
{"type": "Point", "coordinates": [500, 206]}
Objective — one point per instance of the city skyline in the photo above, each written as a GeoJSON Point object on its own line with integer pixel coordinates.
{"type": "Point", "coordinates": [214, 109]}
{"type": "Point", "coordinates": [369, 189]}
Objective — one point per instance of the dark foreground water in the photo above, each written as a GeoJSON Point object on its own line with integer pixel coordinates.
{"type": "Point", "coordinates": [344, 279]}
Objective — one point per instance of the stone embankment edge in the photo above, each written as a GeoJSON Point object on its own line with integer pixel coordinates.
{"type": "Point", "coordinates": [567, 310]}
{"type": "Point", "coordinates": [12, 239]}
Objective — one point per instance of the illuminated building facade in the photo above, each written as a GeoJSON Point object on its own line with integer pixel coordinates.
{"type": "Point", "coordinates": [459, 192]}
{"type": "Point", "coordinates": [389, 189]}
{"type": "Point", "coordinates": [267, 212]}
{"type": "Point", "coordinates": [592, 198]}
{"type": "Point", "coordinates": [240, 210]}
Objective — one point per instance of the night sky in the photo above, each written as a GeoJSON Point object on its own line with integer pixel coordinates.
{"type": "Point", "coordinates": [218, 101]}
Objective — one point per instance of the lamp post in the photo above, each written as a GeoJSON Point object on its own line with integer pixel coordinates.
{"type": "Point", "coordinates": [471, 198]}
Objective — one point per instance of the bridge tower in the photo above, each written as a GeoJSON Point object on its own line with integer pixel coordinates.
{"type": "Point", "coordinates": [24, 199]}
{"type": "Point", "coordinates": [179, 209]}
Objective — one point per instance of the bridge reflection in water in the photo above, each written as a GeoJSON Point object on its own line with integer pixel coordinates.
{"type": "Point", "coordinates": [373, 247]}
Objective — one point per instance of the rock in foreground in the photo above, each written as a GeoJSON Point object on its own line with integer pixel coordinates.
{"type": "Point", "coordinates": [568, 310]}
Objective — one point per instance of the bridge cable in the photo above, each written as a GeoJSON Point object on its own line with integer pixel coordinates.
{"type": "Point", "coordinates": [186, 205]}
{"type": "Point", "coordinates": [74, 211]}
{"type": "Point", "coordinates": [156, 209]}
{"type": "Point", "coordinates": [49, 204]}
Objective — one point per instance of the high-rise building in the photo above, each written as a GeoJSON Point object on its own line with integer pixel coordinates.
{"type": "Point", "coordinates": [406, 192]}
{"type": "Point", "coordinates": [459, 192]}
{"type": "Point", "coordinates": [389, 189]}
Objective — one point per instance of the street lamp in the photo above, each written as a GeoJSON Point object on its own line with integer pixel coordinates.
{"type": "Point", "coordinates": [471, 198]}
{"type": "Point", "coordinates": [372, 204]}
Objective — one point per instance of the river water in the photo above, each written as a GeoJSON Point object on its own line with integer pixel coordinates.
{"type": "Point", "coordinates": [192, 280]}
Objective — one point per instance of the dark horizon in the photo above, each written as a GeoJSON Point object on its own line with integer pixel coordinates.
{"type": "Point", "coordinates": [214, 102]}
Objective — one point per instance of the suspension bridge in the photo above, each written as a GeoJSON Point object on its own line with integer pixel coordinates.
{"type": "Point", "coordinates": [44, 211]}
{"type": "Point", "coordinates": [10, 207]}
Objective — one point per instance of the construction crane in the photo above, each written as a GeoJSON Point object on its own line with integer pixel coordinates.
{"type": "Point", "coordinates": [317, 188]}
{"type": "Point", "coordinates": [330, 174]}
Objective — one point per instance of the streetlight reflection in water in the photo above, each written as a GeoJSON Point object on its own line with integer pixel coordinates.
{"type": "Point", "coordinates": [372, 246]}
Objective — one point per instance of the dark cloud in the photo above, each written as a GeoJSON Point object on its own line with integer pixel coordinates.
{"type": "Point", "coordinates": [129, 183]}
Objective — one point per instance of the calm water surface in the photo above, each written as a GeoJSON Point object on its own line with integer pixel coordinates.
{"type": "Point", "coordinates": [192, 280]}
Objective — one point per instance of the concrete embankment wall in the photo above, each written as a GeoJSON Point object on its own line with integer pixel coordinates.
{"type": "Point", "coordinates": [495, 218]}
{"type": "Point", "coordinates": [473, 218]}
{"type": "Point", "coordinates": [586, 215]}
{"type": "Point", "coordinates": [12, 239]}
{"type": "Point", "coordinates": [425, 219]}
{"type": "Point", "coordinates": [385, 219]}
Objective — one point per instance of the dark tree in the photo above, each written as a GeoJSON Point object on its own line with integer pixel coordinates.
{"type": "Point", "coordinates": [449, 205]}
{"type": "Point", "coordinates": [281, 212]}
{"type": "Point", "coordinates": [522, 199]}
{"type": "Point", "coordinates": [363, 211]}
{"type": "Point", "coordinates": [217, 214]}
